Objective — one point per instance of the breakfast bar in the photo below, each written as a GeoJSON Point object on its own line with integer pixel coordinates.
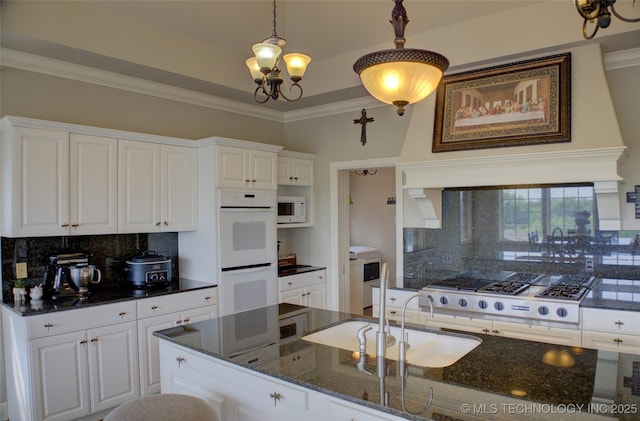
{"type": "Point", "coordinates": [241, 365]}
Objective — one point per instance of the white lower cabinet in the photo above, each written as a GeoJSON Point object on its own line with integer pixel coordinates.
{"type": "Point", "coordinates": [69, 364]}
{"type": "Point", "coordinates": [307, 289]}
{"type": "Point", "coordinates": [239, 394]}
{"type": "Point", "coordinates": [611, 330]}
{"type": "Point", "coordinates": [162, 313]}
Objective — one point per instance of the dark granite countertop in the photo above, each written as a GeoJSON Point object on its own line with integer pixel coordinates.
{"type": "Point", "coordinates": [297, 269]}
{"type": "Point", "coordinates": [101, 296]}
{"type": "Point", "coordinates": [500, 368]}
{"type": "Point", "coordinates": [614, 294]}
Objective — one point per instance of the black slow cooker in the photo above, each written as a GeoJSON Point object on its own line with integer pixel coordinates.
{"type": "Point", "coordinates": [149, 269]}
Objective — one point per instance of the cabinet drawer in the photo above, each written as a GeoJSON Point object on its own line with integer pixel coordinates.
{"type": "Point", "coordinates": [396, 298]}
{"type": "Point", "coordinates": [157, 306]}
{"type": "Point", "coordinates": [80, 319]}
{"type": "Point", "coordinates": [301, 280]}
{"type": "Point", "coordinates": [627, 322]}
{"type": "Point", "coordinates": [611, 342]}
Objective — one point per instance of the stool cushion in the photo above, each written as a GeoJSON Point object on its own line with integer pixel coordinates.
{"type": "Point", "coordinates": [167, 406]}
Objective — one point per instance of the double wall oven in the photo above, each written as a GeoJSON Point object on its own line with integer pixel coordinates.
{"type": "Point", "coordinates": [248, 250]}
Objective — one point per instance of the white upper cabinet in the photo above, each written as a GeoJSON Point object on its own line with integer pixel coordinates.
{"type": "Point", "coordinates": [295, 171]}
{"type": "Point", "coordinates": [93, 181]}
{"type": "Point", "coordinates": [245, 168]}
{"type": "Point", "coordinates": [58, 183]}
{"type": "Point", "coordinates": [157, 187]}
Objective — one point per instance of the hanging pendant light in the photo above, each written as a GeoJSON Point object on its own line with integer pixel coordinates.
{"type": "Point", "coordinates": [401, 76]}
{"type": "Point", "coordinates": [265, 71]}
{"type": "Point", "coordinates": [597, 12]}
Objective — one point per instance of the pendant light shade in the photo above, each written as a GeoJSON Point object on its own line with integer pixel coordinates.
{"type": "Point", "coordinates": [266, 55]}
{"type": "Point", "coordinates": [401, 76]}
{"type": "Point", "coordinates": [392, 76]}
{"type": "Point", "coordinates": [296, 64]}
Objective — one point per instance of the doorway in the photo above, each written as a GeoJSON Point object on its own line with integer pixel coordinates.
{"type": "Point", "coordinates": [340, 186]}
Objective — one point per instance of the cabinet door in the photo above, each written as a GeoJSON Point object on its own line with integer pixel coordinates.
{"type": "Point", "coordinates": [113, 365]}
{"type": "Point", "coordinates": [60, 376]}
{"type": "Point", "coordinates": [93, 178]}
{"type": "Point", "coordinates": [284, 171]}
{"type": "Point", "coordinates": [316, 296]}
{"type": "Point", "coordinates": [302, 171]}
{"type": "Point", "coordinates": [149, 353]}
{"type": "Point", "coordinates": [179, 195]}
{"type": "Point", "coordinates": [138, 186]}
{"type": "Point", "coordinates": [40, 197]}
{"type": "Point", "coordinates": [232, 167]}
{"type": "Point", "coordinates": [263, 170]}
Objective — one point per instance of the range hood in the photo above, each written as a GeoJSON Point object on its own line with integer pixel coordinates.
{"type": "Point", "coordinates": [593, 155]}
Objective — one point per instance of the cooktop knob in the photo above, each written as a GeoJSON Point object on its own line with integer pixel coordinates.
{"type": "Point", "coordinates": [462, 302]}
{"type": "Point", "coordinates": [444, 300]}
{"type": "Point", "coordinates": [498, 306]}
{"type": "Point", "coordinates": [543, 310]}
{"type": "Point", "coordinates": [562, 312]}
{"type": "Point", "coordinates": [483, 304]}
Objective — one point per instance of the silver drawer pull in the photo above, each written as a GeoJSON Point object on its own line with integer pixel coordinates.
{"type": "Point", "coordinates": [619, 323]}
{"type": "Point", "coordinates": [180, 360]}
{"type": "Point", "coordinates": [154, 308]}
{"type": "Point", "coordinates": [48, 326]}
{"type": "Point", "coordinates": [122, 313]}
{"type": "Point", "coordinates": [618, 341]}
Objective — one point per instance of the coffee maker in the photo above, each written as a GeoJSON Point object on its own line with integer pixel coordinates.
{"type": "Point", "coordinates": [57, 281]}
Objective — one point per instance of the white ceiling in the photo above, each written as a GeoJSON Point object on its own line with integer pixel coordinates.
{"type": "Point", "coordinates": [321, 29]}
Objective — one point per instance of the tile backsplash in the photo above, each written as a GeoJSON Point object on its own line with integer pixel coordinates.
{"type": "Point", "coordinates": [108, 252]}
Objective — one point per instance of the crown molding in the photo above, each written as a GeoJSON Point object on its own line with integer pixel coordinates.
{"type": "Point", "coordinates": [622, 59]}
{"type": "Point", "coordinates": [52, 67]}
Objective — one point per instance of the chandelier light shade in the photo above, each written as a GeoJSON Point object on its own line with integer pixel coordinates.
{"type": "Point", "coordinates": [401, 76]}
{"type": "Point", "coordinates": [265, 72]}
{"type": "Point", "coordinates": [598, 13]}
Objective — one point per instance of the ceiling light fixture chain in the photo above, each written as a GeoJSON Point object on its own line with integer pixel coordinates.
{"type": "Point", "coordinates": [597, 12]}
{"type": "Point", "coordinates": [400, 76]}
{"type": "Point", "coordinates": [265, 71]}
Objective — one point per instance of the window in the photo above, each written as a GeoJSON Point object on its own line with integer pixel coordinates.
{"type": "Point", "coordinates": [546, 211]}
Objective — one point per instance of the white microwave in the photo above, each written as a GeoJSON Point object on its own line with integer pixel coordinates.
{"type": "Point", "coordinates": [291, 209]}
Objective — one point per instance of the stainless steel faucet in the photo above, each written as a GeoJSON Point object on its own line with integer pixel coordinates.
{"type": "Point", "coordinates": [383, 338]}
{"type": "Point", "coordinates": [362, 339]}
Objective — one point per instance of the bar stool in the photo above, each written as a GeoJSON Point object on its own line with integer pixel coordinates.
{"type": "Point", "coordinates": [167, 406]}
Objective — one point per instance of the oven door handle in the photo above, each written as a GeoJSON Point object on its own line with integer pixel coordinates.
{"type": "Point", "coordinates": [248, 268]}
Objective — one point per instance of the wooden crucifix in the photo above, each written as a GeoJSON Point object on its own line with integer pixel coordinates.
{"type": "Point", "coordinates": [363, 120]}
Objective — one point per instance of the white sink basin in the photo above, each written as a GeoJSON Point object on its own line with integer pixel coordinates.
{"type": "Point", "coordinates": [426, 349]}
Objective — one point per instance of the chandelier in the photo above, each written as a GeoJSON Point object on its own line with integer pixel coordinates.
{"type": "Point", "coordinates": [265, 71]}
{"type": "Point", "coordinates": [400, 76]}
{"type": "Point", "coordinates": [597, 12]}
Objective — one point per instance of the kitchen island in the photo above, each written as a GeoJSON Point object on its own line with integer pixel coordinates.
{"type": "Point", "coordinates": [502, 378]}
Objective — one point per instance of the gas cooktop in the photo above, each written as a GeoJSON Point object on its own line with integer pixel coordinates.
{"type": "Point", "coordinates": [520, 295]}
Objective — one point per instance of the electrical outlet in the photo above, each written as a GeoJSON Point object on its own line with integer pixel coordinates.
{"type": "Point", "coordinates": [446, 257]}
{"type": "Point", "coordinates": [589, 264]}
{"type": "Point", "coordinates": [21, 270]}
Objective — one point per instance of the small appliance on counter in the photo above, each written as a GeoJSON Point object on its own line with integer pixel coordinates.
{"type": "Point", "coordinates": [57, 276]}
{"type": "Point", "coordinates": [150, 269]}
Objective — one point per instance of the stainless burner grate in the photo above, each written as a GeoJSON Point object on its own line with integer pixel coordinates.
{"type": "Point", "coordinates": [564, 291]}
{"type": "Point", "coordinates": [505, 287]}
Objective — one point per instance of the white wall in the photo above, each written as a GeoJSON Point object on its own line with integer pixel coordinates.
{"type": "Point", "coordinates": [372, 219]}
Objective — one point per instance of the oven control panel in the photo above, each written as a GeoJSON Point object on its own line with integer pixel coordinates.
{"type": "Point", "coordinates": [475, 304]}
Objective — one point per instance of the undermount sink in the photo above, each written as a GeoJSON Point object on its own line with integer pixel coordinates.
{"type": "Point", "coordinates": [426, 349]}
